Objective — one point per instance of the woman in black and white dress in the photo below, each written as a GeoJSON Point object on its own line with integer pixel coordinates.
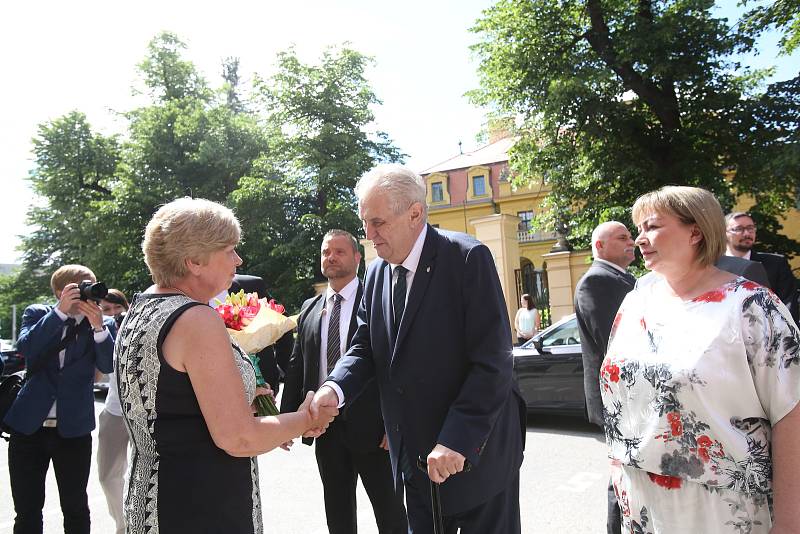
{"type": "Point", "coordinates": [186, 390]}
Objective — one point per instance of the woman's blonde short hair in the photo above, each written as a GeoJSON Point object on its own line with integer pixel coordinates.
{"type": "Point", "coordinates": [186, 229]}
{"type": "Point", "coordinates": [691, 205]}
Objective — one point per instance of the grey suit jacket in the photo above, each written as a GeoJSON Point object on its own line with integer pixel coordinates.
{"type": "Point", "coordinates": [752, 270]}
{"type": "Point", "coordinates": [597, 298]}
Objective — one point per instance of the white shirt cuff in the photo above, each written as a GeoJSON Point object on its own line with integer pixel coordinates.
{"type": "Point", "coordinates": [99, 337]}
{"type": "Point", "coordinates": [339, 393]}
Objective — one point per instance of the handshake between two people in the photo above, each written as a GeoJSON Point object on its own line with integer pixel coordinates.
{"type": "Point", "coordinates": [318, 416]}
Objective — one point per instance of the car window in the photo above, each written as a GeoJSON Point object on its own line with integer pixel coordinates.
{"type": "Point", "coordinates": [566, 334]}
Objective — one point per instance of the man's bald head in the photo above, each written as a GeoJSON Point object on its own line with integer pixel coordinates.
{"type": "Point", "coordinates": [611, 241]}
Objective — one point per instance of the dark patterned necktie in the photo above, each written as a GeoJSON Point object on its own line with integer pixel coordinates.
{"type": "Point", "coordinates": [334, 348]}
{"type": "Point", "coordinates": [399, 296]}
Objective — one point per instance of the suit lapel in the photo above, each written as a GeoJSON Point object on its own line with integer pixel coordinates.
{"type": "Point", "coordinates": [422, 277]}
{"type": "Point", "coordinates": [314, 336]}
{"type": "Point", "coordinates": [387, 301]}
{"type": "Point", "coordinates": [617, 273]}
{"type": "Point", "coordinates": [351, 331]}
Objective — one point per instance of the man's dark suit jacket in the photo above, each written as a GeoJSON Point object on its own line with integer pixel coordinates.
{"type": "Point", "coordinates": [781, 279]}
{"type": "Point", "coordinates": [71, 386]}
{"type": "Point", "coordinates": [597, 298]}
{"type": "Point", "coordinates": [752, 270]}
{"type": "Point", "coordinates": [361, 418]}
{"type": "Point", "coordinates": [273, 360]}
{"type": "Point", "coordinates": [447, 377]}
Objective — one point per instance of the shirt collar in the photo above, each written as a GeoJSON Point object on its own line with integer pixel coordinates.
{"type": "Point", "coordinates": [614, 265]}
{"type": "Point", "coordinates": [347, 293]}
{"type": "Point", "coordinates": [412, 260]}
{"type": "Point", "coordinates": [746, 256]}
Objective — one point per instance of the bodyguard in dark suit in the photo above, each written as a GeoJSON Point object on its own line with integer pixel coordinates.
{"type": "Point", "coordinates": [53, 415]}
{"type": "Point", "coordinates": [273, 360]}
{"type": "Point", "coordinates": [597, 298]}
{"type": "Point", "coordinates": [434, 332]}
{"type": "Point", "coordinates": [741, 236]}
{"type": "Point", "coordinates": [355, 443]}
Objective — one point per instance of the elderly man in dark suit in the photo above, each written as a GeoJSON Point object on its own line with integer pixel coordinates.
{"type": "Point", "coordinates": [597, 298]}
{"type": "Point", "coordinates": [355, 443]}
{"type": "Point", "coordinates": [741, 236]}
{"type": "Point", "coordinates": [434, 332]}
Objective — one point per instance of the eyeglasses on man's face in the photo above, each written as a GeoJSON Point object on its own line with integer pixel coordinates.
{"type": "Point", "coordinates": [742, 229]}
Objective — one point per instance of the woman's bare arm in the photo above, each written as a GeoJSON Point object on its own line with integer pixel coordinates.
{"type": "Point", "coordinates": [199, 345]}
{"type": "Point", "coordinates": [785, 469]}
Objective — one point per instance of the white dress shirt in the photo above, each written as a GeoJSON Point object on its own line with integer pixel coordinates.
{"type": "Point", "coordinates": [99, 337]}
{"type": "Point", "coordinates": [348, 294]}
{"type": "Point", "coordinates": [611, 263]}
{"type": "Point", "coordinates": [411, 262]}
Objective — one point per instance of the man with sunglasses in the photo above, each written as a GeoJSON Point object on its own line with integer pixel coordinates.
{"type": "Point", "coordinates": [741, 236]}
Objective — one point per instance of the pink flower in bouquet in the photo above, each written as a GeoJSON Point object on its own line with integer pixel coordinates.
{"type": "Point", "coordinates": [276, 307]}
{"type": "Point", "coordinates": [239, 309]}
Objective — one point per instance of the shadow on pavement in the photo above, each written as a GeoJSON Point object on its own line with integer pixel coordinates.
{"type": "Point", "coordinates": [565, 425]}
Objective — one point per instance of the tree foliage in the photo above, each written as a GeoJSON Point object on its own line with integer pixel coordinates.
{"type": "Point", "coordinates": [620, 97]}
{"type": "Point", "coordinates": [319, 118]}
{"type": "Point", "coordinates": [286, 161]}
{"type": "Point", "coordinates": [783, 15]}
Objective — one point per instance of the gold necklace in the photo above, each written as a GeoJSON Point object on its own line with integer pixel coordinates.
{"type": "Point", "coordinates": [178, 291]}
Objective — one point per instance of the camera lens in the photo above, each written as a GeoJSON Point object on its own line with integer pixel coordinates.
{"type": "Point", "coordinates": [92, 291]}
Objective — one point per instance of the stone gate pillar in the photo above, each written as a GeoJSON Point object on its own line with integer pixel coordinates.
{"type": "Point", "coordinates": [499, 233]}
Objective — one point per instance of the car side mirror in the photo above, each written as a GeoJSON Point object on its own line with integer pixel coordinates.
{"type": "Point", "coordinates": [538, 344]}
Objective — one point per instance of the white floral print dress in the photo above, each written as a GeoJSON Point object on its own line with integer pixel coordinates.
{"type": "Point", "coordinates": [691, 391]}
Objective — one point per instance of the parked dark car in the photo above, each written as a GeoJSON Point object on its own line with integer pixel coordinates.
{"type": "Point", "coordinates": [13, 361]}
{"type": "Point", "coordinates": [549, 370]}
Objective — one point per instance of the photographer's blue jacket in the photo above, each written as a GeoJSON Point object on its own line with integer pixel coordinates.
{"type": "Point", "coordinates": [71, 386]}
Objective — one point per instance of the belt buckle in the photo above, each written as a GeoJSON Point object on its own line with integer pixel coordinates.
{"type": "Point", "coordinates": [49, 423]}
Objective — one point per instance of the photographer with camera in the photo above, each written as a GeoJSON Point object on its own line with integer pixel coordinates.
{"type": "Point", "coordinates": [53, 415]}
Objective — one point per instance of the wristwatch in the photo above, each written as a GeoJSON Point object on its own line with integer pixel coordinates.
{"type": "Point", "coordinates": [98, 331]}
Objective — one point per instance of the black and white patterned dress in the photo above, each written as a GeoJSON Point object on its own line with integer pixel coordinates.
{"type": "Point", "coordinates": [179, 480]}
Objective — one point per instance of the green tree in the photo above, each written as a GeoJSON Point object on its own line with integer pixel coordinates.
{"type": "Point", "coordinates": [190, 141]}
{"type": "Point", "coordinates": [318, 117]}
{"type": "Point", "coordinates": [782, 15]}
{"type": "Point", "coordinates": [97, 193]}
{"type": "Point", "coordinates": [74, 172]}
{"type": "Point", "coordinates": [619, 97]}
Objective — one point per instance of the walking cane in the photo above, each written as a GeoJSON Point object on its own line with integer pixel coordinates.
{"type": "Point", "coordinates": [436, 501]}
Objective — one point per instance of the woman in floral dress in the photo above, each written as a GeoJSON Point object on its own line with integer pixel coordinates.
{"type": "Point", "coordinates": [700, 385]}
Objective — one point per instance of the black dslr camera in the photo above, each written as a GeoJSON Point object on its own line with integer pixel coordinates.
{"type": "Point", "coordinates": [95, 291]}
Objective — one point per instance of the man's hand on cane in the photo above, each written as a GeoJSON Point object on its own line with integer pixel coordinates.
{"type": "Point", "coordinates": [444, 462]}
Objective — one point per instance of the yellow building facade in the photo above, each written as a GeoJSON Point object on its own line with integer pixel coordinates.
{"type": "Point", "coordinates": [472, 193]}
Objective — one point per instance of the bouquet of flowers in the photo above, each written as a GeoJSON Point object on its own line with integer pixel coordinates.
{"type": "Point", "coordinates": [255, 324]}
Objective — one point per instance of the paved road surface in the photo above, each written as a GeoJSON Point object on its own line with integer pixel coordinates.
{"type": "Point", "coordinates": [563, 484]}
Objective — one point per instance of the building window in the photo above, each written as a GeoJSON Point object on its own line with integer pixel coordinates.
{"type": "Point", "coordinates": [525, 218]}
{"type": "Point", "coordinates": [437, 192]}
{"type": "Point", "coordinates": [478, 186]}
{"type": "Point", "coordinates": [437, 184]}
